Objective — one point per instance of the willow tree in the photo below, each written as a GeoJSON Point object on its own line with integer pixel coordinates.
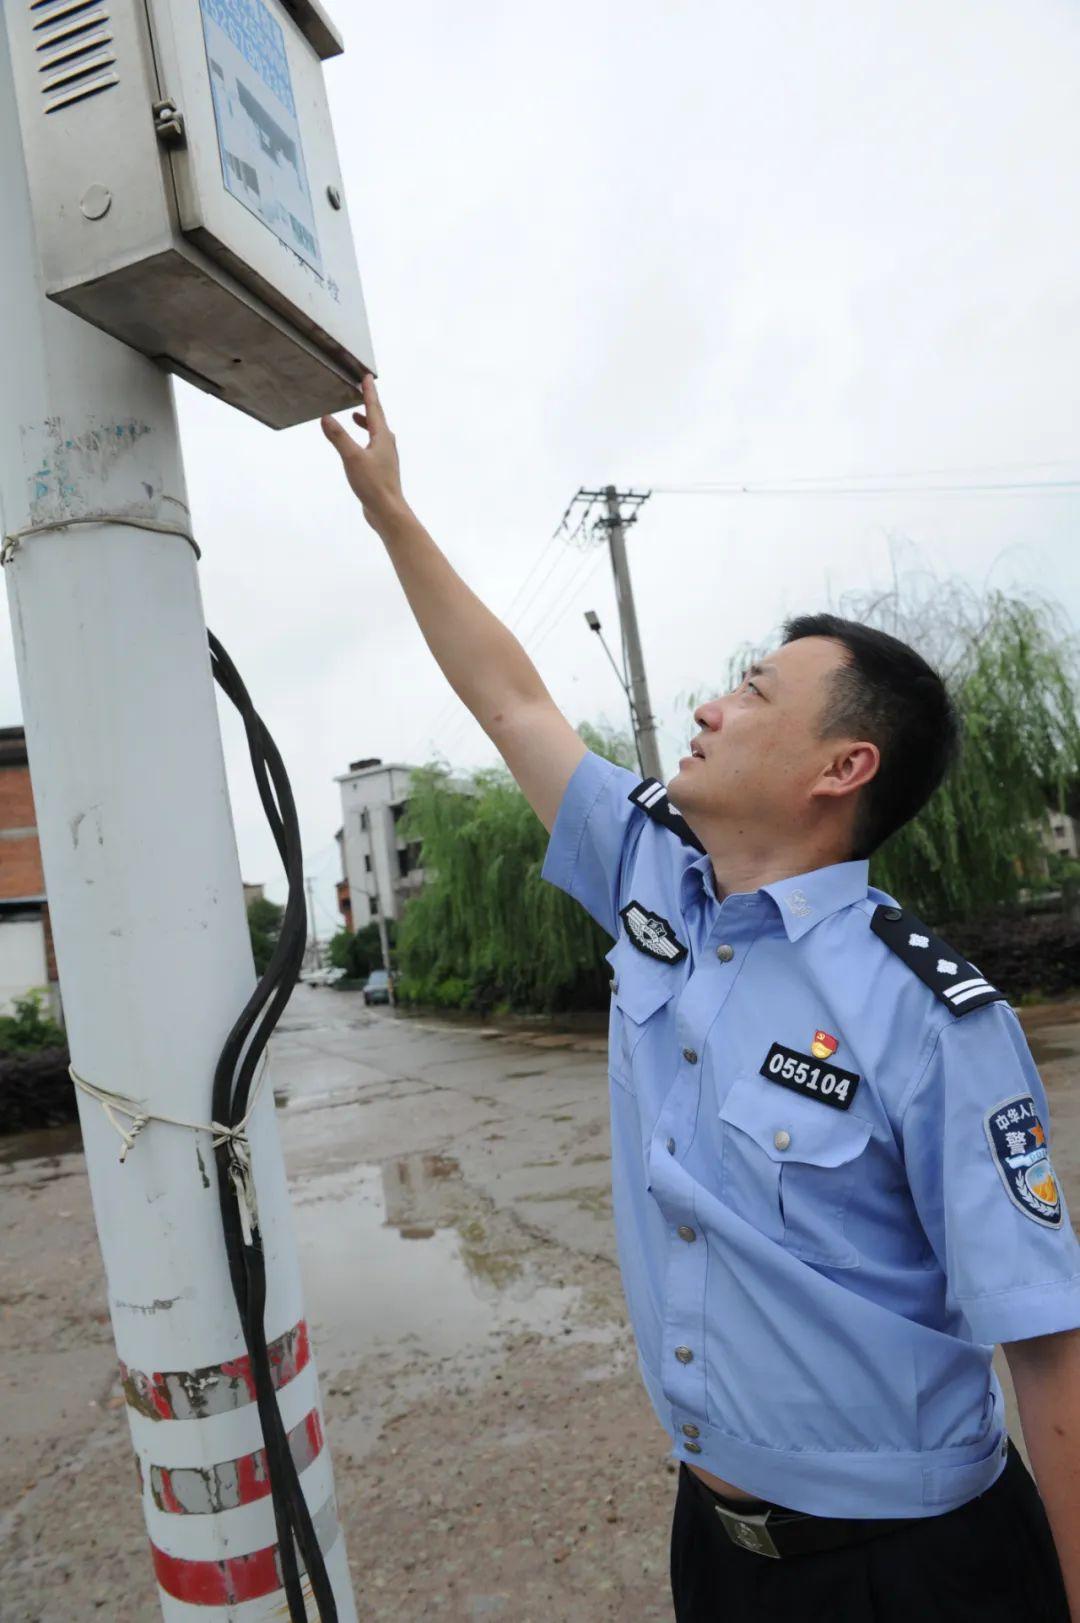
{"type": "Point", "coordinates": [486, 930]}
{"type": "Point", "coordinates": [1012, 670]}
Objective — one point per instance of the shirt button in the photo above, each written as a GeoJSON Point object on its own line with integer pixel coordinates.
{"type": "Point", "coordinates": [686, 1233]}
{"type": "Point", "coordinates": [690, 1430]}
{"type": "Point", "coordinates": [891, 913]}
{"type": "Point", "coordinates": [692, 1448]}
{"type": "Point", "coordinates": [684, 1355]}
{"type": "Point", "coordinates": [725, 953]}
{"type": "Point", "coordinates": [671, 1146]}
{"type": "Point", "coordinates": [690, 1056]}
{"type": "Point", "coordinates": [781, 1139]}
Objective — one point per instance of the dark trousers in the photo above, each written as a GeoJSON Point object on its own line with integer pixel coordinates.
{"type": "Point", "coordinates": [991, 1561]}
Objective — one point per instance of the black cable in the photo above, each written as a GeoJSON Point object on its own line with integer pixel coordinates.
{"type": "Point", "coordinates": [240, 1056]}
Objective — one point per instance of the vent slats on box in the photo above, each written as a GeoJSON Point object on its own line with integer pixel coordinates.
{"type": "Point", "coordinates": [74, 48]}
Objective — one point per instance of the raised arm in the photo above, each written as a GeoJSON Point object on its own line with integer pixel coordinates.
{"type": "Point", "coordinates": [484, 663]}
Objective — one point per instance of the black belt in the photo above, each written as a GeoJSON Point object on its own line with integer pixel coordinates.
{"type": "Point", "coordinates": [773, 1530]}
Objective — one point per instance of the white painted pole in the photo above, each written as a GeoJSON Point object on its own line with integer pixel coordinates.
{"type": "Point", "coordinates": [148, 916]}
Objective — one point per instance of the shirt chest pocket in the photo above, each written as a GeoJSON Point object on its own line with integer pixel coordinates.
{"type": "Point", "coordinates": [789, 1166]}
{"type": "Point", "coordinates": [639, 992]}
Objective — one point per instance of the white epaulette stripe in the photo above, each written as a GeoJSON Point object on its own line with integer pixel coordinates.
{"type": "Point", "coordinates": [962, 986]}
{"type": "Point", "coordinates": [976, 991]}
{"type": "Point", "coordinates": [651, 796]}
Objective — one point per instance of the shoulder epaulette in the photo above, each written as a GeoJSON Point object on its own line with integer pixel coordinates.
{"type": "Point", "coordinates": [651, 796]}
{"type": "Point", "coordinates": [954, 981]}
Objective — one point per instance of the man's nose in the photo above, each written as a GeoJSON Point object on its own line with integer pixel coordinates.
{"type": "Point", "coordinates": [710, 714]}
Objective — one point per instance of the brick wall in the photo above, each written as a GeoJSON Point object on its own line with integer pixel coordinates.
{"type": "Point", "coordinates": [20, 854]}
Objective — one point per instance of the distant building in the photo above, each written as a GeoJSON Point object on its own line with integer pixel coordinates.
{"type": "Point", "coordinates": [1060, 835]}
{"type": "Point", "coordinates": [27, 959]}
{"type": "Point", "coordinates": [253, 893]}
{"type": "Point", "coordinates": [381, 870]}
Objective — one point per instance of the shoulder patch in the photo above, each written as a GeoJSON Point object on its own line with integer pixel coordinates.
{"type": "Point", "coordinates": [953, 981]}
{"type": "Point", "coordinates": [651, 796]}
{"type": "Point", "coordinates": [1018, 1144]}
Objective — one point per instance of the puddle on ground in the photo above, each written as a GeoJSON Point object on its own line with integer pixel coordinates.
{"type": "Point", "coordinates": [46, 1144]}
{"type": "Point", "coordinates": [399, 1254]}
{"type": "Point", "coordinates": [1043, 1051]}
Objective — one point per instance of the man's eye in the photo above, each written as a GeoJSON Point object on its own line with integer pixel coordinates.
{"type": "Point", "coordinates": [756, 689]}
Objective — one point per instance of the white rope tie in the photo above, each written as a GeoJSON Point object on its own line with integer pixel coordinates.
{"type": "Point", "coordinates": [13, 542]}
{"type": "Point", "coordinates": [240, 1172]}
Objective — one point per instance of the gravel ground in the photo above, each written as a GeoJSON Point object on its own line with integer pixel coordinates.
{"type": "Point", "coordinates": [495, 1455]}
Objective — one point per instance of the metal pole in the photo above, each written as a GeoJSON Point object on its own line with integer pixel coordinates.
{"type": "Point", "coordinates": [148, 916]}
{"type": "Point", "coordinates": [384, 945]}
{"type": "Point", "coordinates": [644, 722]}
{"type": "Point", "coordinates": [309, 885]}
{"type": "Point", "coordinates": [625, 687]}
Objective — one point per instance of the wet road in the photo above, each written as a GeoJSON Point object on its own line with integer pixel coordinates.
{"type": "Point", "coordinates": [494, 1452]}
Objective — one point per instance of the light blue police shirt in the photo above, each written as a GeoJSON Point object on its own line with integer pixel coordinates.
{"type": "Point", "coordinates": [815, 1291]}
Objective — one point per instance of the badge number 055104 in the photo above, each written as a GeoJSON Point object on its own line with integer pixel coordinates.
{"type": "Point", "coordinates": [804, 1074]}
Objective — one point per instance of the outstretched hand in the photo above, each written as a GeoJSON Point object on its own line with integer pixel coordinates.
{"type": "Point", "coordinates": [373, 471]}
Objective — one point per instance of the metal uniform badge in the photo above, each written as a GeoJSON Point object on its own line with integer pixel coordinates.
{"type": "Point", "coordinates": [1017, 1142]}
{"type": "Point", "coordinates": [652, 934]}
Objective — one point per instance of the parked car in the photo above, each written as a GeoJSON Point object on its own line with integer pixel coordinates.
{"type": "Point", "coordinates": [328, 976]}
{"type": "Point", "coordinates": [377, 987]}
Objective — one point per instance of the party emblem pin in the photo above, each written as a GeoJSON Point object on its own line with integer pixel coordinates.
{"type": "Point", "coordinates": [823, 1046]}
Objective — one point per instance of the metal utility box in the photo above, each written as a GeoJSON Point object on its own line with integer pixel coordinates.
{"type": "Point", "coordinates": [186, 191]}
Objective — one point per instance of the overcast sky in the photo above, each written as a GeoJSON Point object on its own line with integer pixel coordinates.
{"type": "Point", "coordinates": [658, 246]}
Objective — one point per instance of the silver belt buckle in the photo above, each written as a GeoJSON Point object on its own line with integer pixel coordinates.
{"type": "Point", "coordinates": [749, 1531]}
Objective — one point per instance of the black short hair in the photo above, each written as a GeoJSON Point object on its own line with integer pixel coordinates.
{"type": "Point", "coordinates": [888, 694]}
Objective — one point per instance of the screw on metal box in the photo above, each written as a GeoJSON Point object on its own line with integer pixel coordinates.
{"type": "Point", "coordinates": [168, 122]}
{"type": "Point", "coordinates": [335, 197]}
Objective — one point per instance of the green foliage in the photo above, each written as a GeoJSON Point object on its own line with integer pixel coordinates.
{"type": "Point", "coordinates": [264, 924]}
{"type": "Point", "coordinates": [29, 1029]}
{"type": "Point", "coordinates": [976, 844]}
{"type": "Point", "coordinates": [485, 929]}
{"type": "Point", "coordinates": [359, 952]}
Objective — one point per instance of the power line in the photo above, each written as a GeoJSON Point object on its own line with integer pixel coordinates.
{"type": "Point", "coordinates": [448, 706]}
{"type": "Point", "coordinates": [547, 621]}
{"type": "Point", "coordinates": [538, 595]}
{"type": "Point", "coordinates": [550, 612]}
{"type": "Point", "coordinates": [541, 635]}
{"type": "Point", "coordinates": [1011, 488]}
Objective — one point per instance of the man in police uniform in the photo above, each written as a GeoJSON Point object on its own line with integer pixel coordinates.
{"type": "Point", "coordinates": [831, 1168]}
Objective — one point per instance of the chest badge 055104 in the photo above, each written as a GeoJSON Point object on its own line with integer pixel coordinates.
{"type": "Point", "coordinates": [804, 1074]}
{"type": "Point", "coordinates": [824, 1046]}
{"type": "Point", "coordinates": [651, 934]}
{"type": "Point", "coordinates": [1017, 1141]}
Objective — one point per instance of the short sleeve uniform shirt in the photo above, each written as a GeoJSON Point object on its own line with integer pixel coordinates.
{"type": "Point", "coordinates": [831, 1173]}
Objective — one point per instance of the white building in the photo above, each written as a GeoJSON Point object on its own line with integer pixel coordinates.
{"type": "Point", "coordinates": [1060, 834]}
{"type": "Point", "coordinates": [381, 868]}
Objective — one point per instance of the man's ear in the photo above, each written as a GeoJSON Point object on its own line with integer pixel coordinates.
{"type": "Point", "coordinates": [850, 770]}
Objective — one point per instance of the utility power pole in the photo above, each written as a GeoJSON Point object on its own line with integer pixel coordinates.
{"type": "Point", "coordinates": [633, 659]}
{"type": "Point", "coordinates": [148, 917]}
{"type": "Point", "coordinates": [384, 947]}
{"type": "Point", "coordinates": [316, 949]}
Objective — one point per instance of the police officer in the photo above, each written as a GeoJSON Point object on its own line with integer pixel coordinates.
{"type": "Point", "coordinates": [832, 1182]}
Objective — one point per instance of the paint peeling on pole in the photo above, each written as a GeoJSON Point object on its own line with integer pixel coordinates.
{"type": "Point", "coordinates": [205, 1490]}
{"type": "Point", "coordinates": [216, 1389]}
